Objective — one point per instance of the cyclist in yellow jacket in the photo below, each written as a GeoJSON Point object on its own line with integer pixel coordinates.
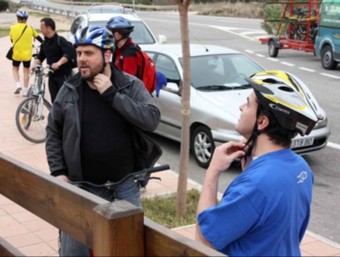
{"type": "Point", "coordinates": [21, 36]}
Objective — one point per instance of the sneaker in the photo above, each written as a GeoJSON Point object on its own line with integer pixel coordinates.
{"type": "Point", "coordinates": [24, 91]}
{"type": "Point", "coordinates": [17, 90]}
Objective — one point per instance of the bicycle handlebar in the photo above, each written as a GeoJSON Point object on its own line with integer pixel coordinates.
{"type": "Point", "coordinates": [142, 177]}
{"type": "Point", "coordinates": [40, 68]}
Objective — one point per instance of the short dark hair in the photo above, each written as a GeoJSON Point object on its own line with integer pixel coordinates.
{"type": "Point", "coordinates": [275, 131]}
{"type": "Point", "coordinates": [49, 22]}
{"type": "Point", "coordinates": [22, 19]}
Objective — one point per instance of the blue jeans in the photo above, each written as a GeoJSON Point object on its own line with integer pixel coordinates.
{"type": "Point", "coordinates": [129, 190]}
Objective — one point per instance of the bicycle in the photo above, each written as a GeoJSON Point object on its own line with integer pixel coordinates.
{"type": "Point", "coordinates": [295, 29]}
{"type": "Point", "coordinates": [31, 114]}
{"type": "Point", "coordinates": [299, 27]}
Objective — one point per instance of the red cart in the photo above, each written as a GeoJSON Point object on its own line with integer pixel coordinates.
{"type": "Point", "coordinates": [297, 27]}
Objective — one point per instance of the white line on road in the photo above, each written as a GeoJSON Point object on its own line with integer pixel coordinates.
{"type": "Point", "coordinates": [228, 29]}
{"type": "Point", "coordinates": [272, 59]}
{"type": "Point", "coordinates": [330, 75]}
{"type": "Point", "coordinates": [288, 64]}
{"type": "Point", "coordinates": [333, 145]}
{"type": "Point", "coordinates": [306, 69]}
{"type": "Point", "coordinates": [260, 55]}
{"type": "Point", "coordinates": [252, 32]}
{"type": "Point", "coordinates": [249, 51]}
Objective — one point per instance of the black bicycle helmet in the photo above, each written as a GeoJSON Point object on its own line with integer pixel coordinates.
{"type": "Point", "coordinates": [120, 24]}
{"type": "Point", "coordinates": [95, 35]}
{"type": "Point", "coordinates": [22, 14]}
{"type": "Point", "coordinates": [288, 99]}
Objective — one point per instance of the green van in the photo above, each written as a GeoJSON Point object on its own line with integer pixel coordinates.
{"type": "Point", "coordinates": [327, 42]}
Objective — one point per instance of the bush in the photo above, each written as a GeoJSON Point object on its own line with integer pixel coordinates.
{"type": "Point", "coordinates": [4, 5]}
{"type": "Point", "coordinates": [273, 15]}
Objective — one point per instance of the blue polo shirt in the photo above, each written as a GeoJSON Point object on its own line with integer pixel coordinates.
{"type": "Point", "coordinates": [265, 210]}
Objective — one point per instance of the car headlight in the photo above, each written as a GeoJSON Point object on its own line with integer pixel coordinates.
{"type": "Point", "coordinates": [321, 123]}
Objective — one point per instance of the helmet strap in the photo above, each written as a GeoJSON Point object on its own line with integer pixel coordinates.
{"type": "Point", "coordinates": [104, 64]}
{"type": "Point", "coordinates": [252, 139]}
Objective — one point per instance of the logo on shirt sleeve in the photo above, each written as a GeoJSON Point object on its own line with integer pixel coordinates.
{"type": "Point", "coordinates": [302, 177]}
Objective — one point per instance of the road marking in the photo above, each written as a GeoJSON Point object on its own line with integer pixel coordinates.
{"type": "Point", "coordinates": [288, 64]}
{"type": "Point", "coordinates": [260, 55]}
{"type": "Point", "coordinates": [333, 145]}
{"type": "Point", "coordinates": [249, 51]}
{"type": "Point", "coordinates": [252, 32]}
{"type": "Point", "coordinates": [238, 33]}
{"type": "Point", "coordinates": [306, 69]}
{"type": "Point", "coordinates": [330, 75]}
{"type": "Point", "coordinates": [272, 59]}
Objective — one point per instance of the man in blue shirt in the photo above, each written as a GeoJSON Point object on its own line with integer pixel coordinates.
{"type": "Point", "coordinates": [265, 210]}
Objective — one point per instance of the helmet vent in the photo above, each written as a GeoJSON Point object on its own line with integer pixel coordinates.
{"type": "Point", "coordinates": [270, 81]}
{"type": "Point", "coordinates": [286, 89]}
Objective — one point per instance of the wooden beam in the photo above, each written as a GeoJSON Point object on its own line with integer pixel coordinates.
{"type": "Point", "coordinates": [60, 204]}
{"type": "Point", "coordinates": [160, 241]}
{"type": "Point", "coordinates": [111, 229]}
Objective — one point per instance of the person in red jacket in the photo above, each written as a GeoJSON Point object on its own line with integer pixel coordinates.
{"type": "Point", "coordinates": [127, 57]}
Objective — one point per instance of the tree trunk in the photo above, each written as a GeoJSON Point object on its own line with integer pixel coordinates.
{"type": "Point", "coordinates": [183, 6]}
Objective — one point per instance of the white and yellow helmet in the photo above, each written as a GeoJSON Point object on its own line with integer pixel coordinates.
{"type": "Point", "coordinates": [288, 98]}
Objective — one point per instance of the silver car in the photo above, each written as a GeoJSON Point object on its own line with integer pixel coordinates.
{"type": "Point", "coordinates": [218, 88]}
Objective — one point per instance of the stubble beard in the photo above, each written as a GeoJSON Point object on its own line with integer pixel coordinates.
{"type": "Point", "coordinates": [92, 73]}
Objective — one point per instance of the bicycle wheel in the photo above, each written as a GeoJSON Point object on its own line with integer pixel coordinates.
{"type": "Point", "coordinates": [31, 119]}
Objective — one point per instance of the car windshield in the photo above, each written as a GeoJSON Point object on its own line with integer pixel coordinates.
{"type": "Point", "coordinates": [140, 35]}
{"type": "Point", "coordinates": [222, 71]}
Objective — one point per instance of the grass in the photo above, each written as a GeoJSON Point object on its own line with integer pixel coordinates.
{"type": "Point", "coordinates": [4, 32]}
{"type": "Point", "coordinates": [163, 209]}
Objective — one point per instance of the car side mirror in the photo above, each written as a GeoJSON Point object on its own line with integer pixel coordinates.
{"type": "Point", "coordinates": [172, 88]}
{"type": "Point", "coordinates": [162, 39]}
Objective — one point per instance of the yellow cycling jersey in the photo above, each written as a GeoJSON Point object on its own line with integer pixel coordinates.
{"type": "Point", "coordinates": [22, 50]}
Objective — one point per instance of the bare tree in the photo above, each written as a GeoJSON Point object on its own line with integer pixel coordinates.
{"type": "Point", "coordinates": [183, 6]}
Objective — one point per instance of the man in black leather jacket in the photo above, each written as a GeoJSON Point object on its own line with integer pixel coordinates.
{"type": "Point", "coordinates": [92, 125]}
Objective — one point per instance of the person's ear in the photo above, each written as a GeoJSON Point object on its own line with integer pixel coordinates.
{"type": "Point", "coordinates": [262, 122]}
{"type": "Point", "coordinates": [107, 56]}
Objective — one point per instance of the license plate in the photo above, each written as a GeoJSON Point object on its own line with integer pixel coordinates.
{"type": "Point", "coordinates": [296, 143]}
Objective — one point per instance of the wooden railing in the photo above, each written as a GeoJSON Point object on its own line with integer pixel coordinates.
{"type": "Point", "coordinates": [111, 229]}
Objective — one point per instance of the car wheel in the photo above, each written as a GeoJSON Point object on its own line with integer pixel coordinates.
{"type": "Point", "coordinates": [327, 58]}
{"type": "Point", "coordinates": [273, 51]}
{"type": "Point", "coordinates": [202, 146]}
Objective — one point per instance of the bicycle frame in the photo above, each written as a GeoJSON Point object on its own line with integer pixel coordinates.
{"type": "Point", "coordinates": [38, 89]}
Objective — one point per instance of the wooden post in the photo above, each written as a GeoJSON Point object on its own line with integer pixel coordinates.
{"type": "Point", "coordinates": [119, 230]}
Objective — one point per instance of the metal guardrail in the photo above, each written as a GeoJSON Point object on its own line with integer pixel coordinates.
{"type": "Point", "coordinates": [71, 12]}
{"type": "Point", "coordinates": [136, 6]}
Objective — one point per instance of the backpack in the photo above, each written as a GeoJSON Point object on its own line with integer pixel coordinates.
{"type": "Point", "coordinates": [148, 71]}
{"type": "Point", "coordinates": [71, 51]}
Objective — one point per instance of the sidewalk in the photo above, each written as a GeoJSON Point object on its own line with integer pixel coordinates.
{"type": "Point", "coordinates": [33, 236]}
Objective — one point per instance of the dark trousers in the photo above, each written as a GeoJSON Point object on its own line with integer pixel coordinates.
{"type": "Point", "coordinates": [54, 84]}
